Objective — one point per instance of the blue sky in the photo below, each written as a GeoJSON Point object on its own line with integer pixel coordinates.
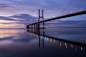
{"type": "Point", "coordinates": [19, 13]}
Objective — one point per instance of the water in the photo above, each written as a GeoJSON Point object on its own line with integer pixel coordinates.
{"type": "Point", "coordinates": [54, 43]}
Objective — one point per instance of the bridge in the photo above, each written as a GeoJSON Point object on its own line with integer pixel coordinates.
{"type": "Point", "coordinates": [37, 24]}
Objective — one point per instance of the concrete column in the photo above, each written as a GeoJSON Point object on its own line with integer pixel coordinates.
{"type": "Point", "coordinates": [34, 27]}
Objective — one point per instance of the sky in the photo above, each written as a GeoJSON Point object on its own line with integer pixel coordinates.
{"type": "Point", "coordinates": [19, 13]}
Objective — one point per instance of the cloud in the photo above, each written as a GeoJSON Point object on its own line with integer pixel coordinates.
{"type": "Point", "coordinates": [3, 5]}
{"type": "Point", "coordinates": [51, 6]}
{"type": "Point", "coordinates": [18, 19]}
{"type": "Point", "coordinates": [6, 18]}
{"type": "Point", "coordinates": [26, 17]}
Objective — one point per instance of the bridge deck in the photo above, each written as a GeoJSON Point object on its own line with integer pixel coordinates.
{"type": "Point", "coordinates": [64, 16]}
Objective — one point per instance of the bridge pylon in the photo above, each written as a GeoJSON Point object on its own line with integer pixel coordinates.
{"type": "Point", "coordinates": [39, 16]}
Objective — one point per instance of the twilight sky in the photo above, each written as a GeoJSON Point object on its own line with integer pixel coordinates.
{"type": "Point", "coordinates": [19, 13]}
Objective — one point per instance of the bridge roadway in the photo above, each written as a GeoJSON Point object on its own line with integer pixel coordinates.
{"type": "Point", "coordinates": [64, 16]}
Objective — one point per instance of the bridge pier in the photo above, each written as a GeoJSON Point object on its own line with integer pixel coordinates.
{"type": "Point", "coordinates": [34, 27]}
{"type": "Point", "coordinates": [31, 28]}
{"type": "Point", "coordinates": [43, 20]}
{"type": "Point", "coordinates": [27, 26]}
{"type": "Point", "coordinates": [38, 28]}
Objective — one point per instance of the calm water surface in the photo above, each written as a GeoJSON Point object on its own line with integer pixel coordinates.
{"type": "Point", "coordinates": [23, 43]}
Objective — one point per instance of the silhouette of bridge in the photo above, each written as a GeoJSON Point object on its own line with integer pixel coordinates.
{"type": "Point", "coordinates": [37, 24]}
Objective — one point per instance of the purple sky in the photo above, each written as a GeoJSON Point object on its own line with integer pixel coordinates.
{"type": "Point", "coordinates": [19, 13]}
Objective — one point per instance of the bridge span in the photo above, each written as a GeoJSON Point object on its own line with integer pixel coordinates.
{"type": "Point", "coordinates": [37, 24]}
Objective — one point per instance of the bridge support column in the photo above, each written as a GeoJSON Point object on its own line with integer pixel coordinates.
{"type": "Point", "coordinates": [31, 28]}
{"type": "Point", "coordinates": [34, 27]}
{"type": "Point", "coordinates": [38, 28]}
{"type": "Point", "coordinates": [27, 26]}
{"type": "Point", "coordinates": [43, 20]}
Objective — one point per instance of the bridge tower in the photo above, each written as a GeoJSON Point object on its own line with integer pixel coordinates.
{"type": "Point", "coordinates": [39, 16]}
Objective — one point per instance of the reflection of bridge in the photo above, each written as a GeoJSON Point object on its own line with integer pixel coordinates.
{"type": "Point", "coordinates": [64, 16]}
{"type": "Point", "coordinates": [43, 36]}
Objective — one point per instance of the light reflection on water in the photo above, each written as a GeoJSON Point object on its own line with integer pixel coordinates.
{"type": "Point", "coordinates": [9, 32]}
{"type": "Point", "coordinates": [21, 43]}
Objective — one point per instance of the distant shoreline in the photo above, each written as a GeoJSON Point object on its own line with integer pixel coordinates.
{"type": "Point", "coordinates": [46, 27]}
{"type": "Point", "coordinates": [12, 28]}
